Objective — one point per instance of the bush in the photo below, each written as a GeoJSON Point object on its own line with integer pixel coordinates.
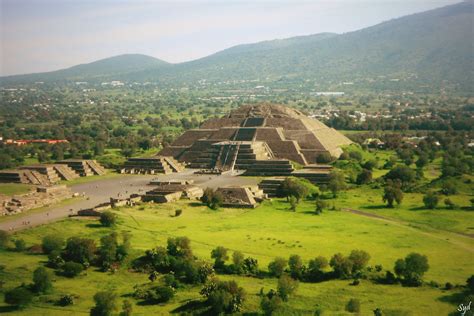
{"type": "Point", "coordinates": [52, 243]}
{"type": "Point", "coordinates": [105, 304]}
{"type": "Point", "coordinates": [271, 304]}
{"type": "Point", "coordinates": [42, 280]}
{"type": "Point", "coordinates": [108, 219]}
{"type": "Point", "coordinates": [470, 283]}
{"type": "Point", "coordinates": [448, 286]}
{"type": "Point", "coordinates": [55, 260]}
{"type": "Point", "coordinates": [286, 287]}
{"type": "Point", "coordinates": [212, 199]}
{"type": "Point", "coordinates": [4, 239]}
{"type": "Point", "coordinates": [66, 300]}
{"type": "Point", "coordinates": [220, 256]}
{"type": "Point", "coordinates": [364, 177]}
{"type": "Point", "coordinates": [359, 259]}
{"type": "Point", "coordinates": [161, 294]}
{"type": "Point", "coordinates": [341, 265]}
{"type": "Point", "coordinates": [223, 296]}
{"type": "Point", "coordinates": [430, 200]}
{"type": "Point", "coordinates": [324, 158]}
{"type": "Point", "coordinates": [412, 268]}
{"type": "Point", "coordinates": [449, 204]}
{"type": "Point", "coordinates": [20, 297]}
{"type": "Point", "coordinates": [72, 269]}
{"type": "Point", "coordinates": [355, 155]}
{"type": "Point", "coordinates": [20, 245]}
{"type": "Point", "coordinates": [315, 273]}
{"type": "Point", "coordinates": [277, 267]}
{"type": "Point", "coordinates": [353, 306]}
{"type": "Point", "coordinates": [127, 308]}
{"type": "Point", "coordinates": [178, 213]}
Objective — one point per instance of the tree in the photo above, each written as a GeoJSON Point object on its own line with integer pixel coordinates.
{"type": "Point", "coordinates": [422, 161]}
{"type": "Point", "coordinates": [364, 177]}
{"type": "Point", "coordinates": [4, 239]}
{"type": "Point", "coordinates": [449, 187]}
{"type": "Point", "coordinates": [20, 297]}
{"type": "Point", "coordinates": [337, 182]}
{"type": "Point", "coordinates": [238, 262]}
{"type": "Point", "coordinates": [270, 304]}
{"type": "Point", "coordinates": [223, 296]}
{"type": "Point", "coordinates": [108, 219]}
{"type": "Point", "coordinates": [277, 266]}
{"type": "Point", "coordinates": [402, 173]}
{"type": "Point", "coordinates": [286, 287]}
{"type": "Point", "coordinates": [359, 259]}
{"type": "Point", "coordinates": [412, 268]}
{"type": "Point", "coordinates": [341, 265]}
{"type": "Point", "coordinates": [353, 306]}
{"type": "Point", "coordinates": [179, 247]}
{"type": "Point", "coordinates": [470, 283]}
{"type": "Point", "coordinates": [160, 294]}
{"type": "Point", "coordinates": [320, 206]}
{"type": "Point", "coordinates": [72, 269]}
{"type": "Point", "coordinates": [392, 192]}
{"type": "Point", "coordinates": [20, 245]}
{"type": "Point", "coordinates": [52, 243]}
{"type": "Point", "coordinates": [42, 280]}
{"type": "Point", "coordinates": [212, 199]}
{"type": "Point", "coordinates": [80, 250]}
{"type": "Point", "coordinates": [430, 200]}
{"type": "Point", "coordinates": [220, 256]}
{"type": "Point", "coordinates": [449, 204]}
{"type": "Point", "coordinates": [127, 308]}
{"type": "Point", "coordinates": [324, 158]}
{"type": "Point", "coordinates": [293, 203]}
{"type": "Point", "coordinates": [297, 268]}
{"type": "Point", "coordinates": [108, 250]}
{"type": "Point", "coordinates": [315, 269]}
{"type": "Point", "coordinates": [105, 304]}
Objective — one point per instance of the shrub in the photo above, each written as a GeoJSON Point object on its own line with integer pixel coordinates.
{"type": "Point", "coordinates": [127, 308]}
{"type": "Point", "coordinates": [470, 283]}
{"type": "Point", "coordinates": [55, 260]}
{"type": "Point", "coordinates": [297, 268]}
{"type": "Point", "coordinates": [223, 296]}
{"type": "Point", "coordinates": [52, 243]}
{"type": "Point", "coordinates": [355, 155]}
{"type": "Point", "coordinates": [66, 300]}
{"type": "Point", "coordinates": [108, 219]}
{"type": "Point", "coordinates": [337, 182]}
{"type": "Point", "coordinates": [286, 287]}
{"type": "Point", "coordinates": [212, 199]}
{"type": "Point", "coordinates": [160, 294]}
{"type": "Point", "coordinates": [4, 239]}
{"type": "Point", "coordinates": [364, 177]}
{"type": "Point", "coordinates": [449, 204]}
{"type": "Point", "coordinates": [271, 304]}
{"type": "Point", "coordinates": [277, 267]}
{"type": "Point", "coordinates": [430, 200]}
{"type": "Point", "coordinates": [341, 265]}
{"type": "Point", "coordinates": [449, 187]}
{"type": "Point", "coordinates": [220, 256]}
{"type": "Point", "coordinates": [20, 245]}
{"type": "Point", "coordinates": [359, 259]}
{"type": "Point", "coordinates": [72, 269]}
{"type": "Point", "coordinates": [448, 286]}
{"type": "Point", "coordinates": [412, 268]}
{"type": "Point", "coordinates": [42, 280]}
{"type": "Point", "coordinates": [353, 306]}
{"type": "Point", "coordinates": [320, 206]}
{"type": "Point", "coordinates": [315, 272]}
{"type": "Point", "coordinates": [392, 192]}
{"type": "Point", "coordinates": [403, 173]}
{"type": "Point", "coordinates": [324, 158]}
{"type": "Point", "coordinates": [105, 304]}
{"type": "Point", "coordinates": [20, 297]}
{"type": "Point", "coordinates": [80, 250]}
{"type": "Point", "coordinates": [178, 212]}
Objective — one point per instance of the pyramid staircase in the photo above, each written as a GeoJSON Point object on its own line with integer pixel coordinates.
{"type": "Point", "coordinates": [271, 186]}
{"type": "Point", "coordinates": [24, 176]}
{"type": "Point", "coordinates": [152, 165]}
{"type": "Point", "coordinates": [84, 168]}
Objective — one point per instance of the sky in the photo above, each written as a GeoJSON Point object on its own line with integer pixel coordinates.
{"type": "Point", "coordinates": [46, 35]}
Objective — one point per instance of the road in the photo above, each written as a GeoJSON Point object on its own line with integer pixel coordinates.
{"type": "Point", "coordinates": [101, 190]}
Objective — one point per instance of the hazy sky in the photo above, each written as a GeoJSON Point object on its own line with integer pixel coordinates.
{"type": "Point", "coordinates": [44, 35]}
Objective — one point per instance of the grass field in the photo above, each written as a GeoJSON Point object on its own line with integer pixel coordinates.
{"type": "Point", "coordinates": [266, 232]}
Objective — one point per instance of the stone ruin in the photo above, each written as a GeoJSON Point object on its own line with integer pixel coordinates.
{"type": "Point", "coordinates": [242, 197]}
{"type": "Point", "coordinates": [262, 139]}
{"type": "Point", "coordinates": [49, 174]}
{"type": "Point", "coordinates": [43, 196]}
{"type": "Point", "coordinates": [170, 191]}
{"type": "Point", "coordinates": [152, 165]}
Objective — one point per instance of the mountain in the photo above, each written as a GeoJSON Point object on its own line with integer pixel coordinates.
{"type": "Point", "coordinates": [104, 68]}
{"type": "Point", "coordinates": [433, 46]}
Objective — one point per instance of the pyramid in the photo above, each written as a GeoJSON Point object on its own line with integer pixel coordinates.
{"type": "Point", "coordinates": [263, 136]}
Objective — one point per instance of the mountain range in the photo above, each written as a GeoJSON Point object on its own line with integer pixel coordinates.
{"type": "Point", "coordinates": [434, 46]}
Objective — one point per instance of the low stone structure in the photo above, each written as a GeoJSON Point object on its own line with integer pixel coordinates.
{"type": "Point", "coordinates": [271, 186]}
{"type": "Point", "coordinates": [54, 172]}
{"type": "Point", "coordinates": [242, 197]}
{"type": "Point", "coordinates": [152, 165]}
{"type": "Point", "coordinates": [84, 167]}
{"type": "Point", "coordinates": [169, 191]}
{"type": "Point", "coordinates": [43, 196]}
{"type": "Point", "coordinates": [23, 176]}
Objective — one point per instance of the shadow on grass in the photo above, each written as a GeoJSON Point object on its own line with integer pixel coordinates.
{"type": "Point", "coordinates": [456, 299]}
{"type": "Point", "coordinates": [195, 307]}
{"type": "Point", "coordinates": [94, 225]}
{"type": "Point", "coordinates": [377, 207]}
{"type": "Point", "coordinates": [8, 309]}
{"type": "Point", "coordinates": [196, 204]}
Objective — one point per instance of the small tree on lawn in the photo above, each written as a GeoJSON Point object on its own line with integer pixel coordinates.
{"type": "Point", "coordinates": [293, 203]}
{"type": "Point", "coordinates": [108, 219]}
{"type": "Point", "coordinates": [430, 200]}
{"type": "Point", "coordinates": [320, 206]}
{"type": "Point", "coordinates": [337, 182]}
{"type": "Point", "coordinates": [220, 256]}
{"type": "Point", "coordinates": [4, 239]}
{"type": "Point", "coordinates": [52, 243]}
{"type": "Point", "coordinates": [392, 192]}
{"type": "Point", "coordinates": [286, 287]}
{"type": "Point", "coordinates": [105, 304]}
{"type": "Point", "coordinates": [412, 268]}
{"type": "Point", "coordinates": [42, 280]}
{"type": "Point", "coordinates": [19, 297]}
{"type": "Point", "coordinates": [277, 266]}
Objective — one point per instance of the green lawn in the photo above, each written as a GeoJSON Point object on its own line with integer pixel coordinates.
{"type": "Point", "coordinates": [265, 232]}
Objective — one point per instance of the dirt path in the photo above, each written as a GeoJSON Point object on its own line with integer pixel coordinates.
{"type": "Point", "coordinates": [407, 225]}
